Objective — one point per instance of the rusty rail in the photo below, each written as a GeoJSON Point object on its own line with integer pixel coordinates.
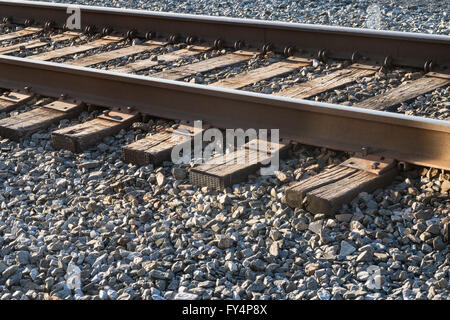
{"type": "Point", "coordinates": [396, 48]}
{"type": "Point", "coordinates": [405, 138]}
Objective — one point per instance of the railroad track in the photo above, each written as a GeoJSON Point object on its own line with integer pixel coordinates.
{"type": "Point", "coordinates": [139, 64]}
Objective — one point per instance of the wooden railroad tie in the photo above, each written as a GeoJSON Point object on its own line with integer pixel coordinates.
{"type": "Point", "coordinates": [406, 91]}
{"type": "Point", "coordinates": [38, 43]}
{"type": "Point", "coordinates": [13, 100]}
{"type": "Point", "coordinates": [114, 54]}
{"type": "Point", "coordinates": [272, 70]}
{"type": "Point", "coordinates": [229, 169]}
{"type": "Point", "coordinates": [81, 136]}
{"type": "Point", "coordinates": [21, 33]}
{"type": "Point", "coordinates": [27, 123]}
{"type": "Point", "coordinates": [330, 81]}
{"type": "Point", "coordinates": [45, 56]}
{"type": "Point", "coordinates": [157, 148]}
{"type": "Point", "coordinates": [205, 65]}
{"type": "Point", "coordinates": [327, 191]}
{"type": "Point", "coordinates": [167, 57]}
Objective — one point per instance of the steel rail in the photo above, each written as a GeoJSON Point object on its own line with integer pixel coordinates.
{"type": "Point", "coordinates": [406, 138]}
{"type": "Point", "coordinates": [406, 49]}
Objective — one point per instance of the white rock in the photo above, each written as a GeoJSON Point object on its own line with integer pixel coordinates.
{"type": "Point", "coordinates": [231, 266]}
{"type": "Point", "coordinates": [160, 179]}
{"type": "Point", "coordinates": [185, 296]}
{"type": "Point", "coordinates": [62, 183]}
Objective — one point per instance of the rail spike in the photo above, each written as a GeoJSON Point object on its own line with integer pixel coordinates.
{"type": "Point", "coordinates": [150, 35]}
{"type": "Point", "coordinates": [28, 22]}
{"type": "Point", "coordinates": [49, 25]}
{"type": "Point", "coordinates": [218, 44]}
{"type": "Point", "coordinates": [322, 55]}
{"type": "Point", "coordinates": [289, 51]}
{"type": "Point", "coordinates": [355, 56]}
{"type": "Point", "coordinates": [173, 38]}
{"type": "Point", "coordinates": [387, 62]}
{"type": "Point", "coordinates": [7, 20]}
{"type": "Point", "coordinates": [191, 40]}
{"type": "Point", "coordinates": [267, 47]}
{"type": "Point", "coordinates": [106, 31]}
{"type": "Point", "coordinates": [90, 29]}
{"type": "Point", "coordinates": [238, 45]}
{"type": "Point", "coordinates": [428, 66]}
{"type": "Point", "coordinates": [131, 34]}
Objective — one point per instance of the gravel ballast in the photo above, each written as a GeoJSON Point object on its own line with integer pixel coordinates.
{"type": "Point", "coordinates": [89, 226]}
{"type": "Point", "coordinates": [402, 15]}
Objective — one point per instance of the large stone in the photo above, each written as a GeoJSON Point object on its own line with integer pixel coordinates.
{"type": "Point", "coordinates": [274, 249]}
{"type": "Point", "coordinates": [345, 217]}
{"type": "Point", "coordinates": [231, 266]}
{"type": "Point", "coordinates": [23, 257]}
{"type": "Point", "coordinates": [434, 229]}
{"type": "Point", "coordinates": [346, 249]}
{"type": "Point", "coordinates": [365, 256]}
{"type": "Point", "coordinates": [445, 187]}
{"type": "Point", "coordinates": [10, 271]}
{"type": "Point", "coordinates": [160, 275]}
{"type": "Point", "coordinates": [160, 179]}
{"type": "Point", "coordinates": [225, 243]}
{"type": "Point", "coordinates": [316, 226]}
{"type": "Point", "coordinates": [438, 244]}
{"type": "Point", "coordinates": [179, 173]}
{"type": "Point", "coordinates": [281, 176]}
{"type": "Point", "coordinates": [311, 268]}
{"type": "Point", "coordinates": [185, 296]}
{"type": "Point", "coordinates": [257, 265]}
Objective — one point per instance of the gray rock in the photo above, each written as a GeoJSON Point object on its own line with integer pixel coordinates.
{"type": "Point", "coordinates": [258, 265]}
{"type": "Point", "coordinates": [231, 266]}
{"type": "Point", "coordinates": [10, 271]}
{"type": "Point", "coordinates": [103, 295]}
{"type": "Point", "coordinates": [438, 244]}
{"type": "Point", "coordinates": [311, 283]}
{"type": "Point", "coordinates": [316, 226]}
{"type": "Point", "coordinates": [185, 296]}
{"type": "Point", "coordinates": [160, 179]}
{"type": "Point", "coordinates": [346, 249]}
{"type": "Point", "coordinates": [157, 274]}
{"type": "Point", "coordinates": [102, 147]}
{"type": "Point", "coordinates": [3, 267]}
{"type": "Point", "coordinates": [345, 217]}
{"type": "Point", "coordinates": [179, 173]}
{"type": "Point", "coordinates": [434, 229]}
{"type": "Point", "coordinates": [225, 243]}
{"type": "Point", "coordinates": [274, 249]}
{"type": "Point", "coordinates": [365, 256]}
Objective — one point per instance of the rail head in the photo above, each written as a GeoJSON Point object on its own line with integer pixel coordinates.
{"type": "Point", "coordinates": [401, 48]}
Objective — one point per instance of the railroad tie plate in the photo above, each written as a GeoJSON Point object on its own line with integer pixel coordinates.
{"type": "Point", "coordinates": [12, 100]}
